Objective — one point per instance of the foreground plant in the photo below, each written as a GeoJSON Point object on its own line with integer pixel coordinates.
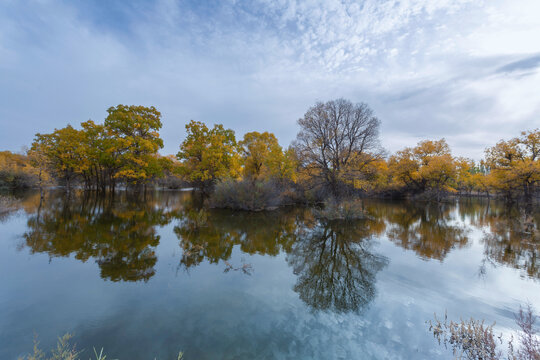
{"type": "Point", "coordinates": [473, 339]}
{"type": "Point", "coordinates": [66, 351]}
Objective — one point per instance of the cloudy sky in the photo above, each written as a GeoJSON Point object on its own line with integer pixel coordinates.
{"type": "Point", "coordinates": [465, 70]}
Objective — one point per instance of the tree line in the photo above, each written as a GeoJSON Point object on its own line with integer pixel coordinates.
{"type": "Point", "coordinates": [337, 153]}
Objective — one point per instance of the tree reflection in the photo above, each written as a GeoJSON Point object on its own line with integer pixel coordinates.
{"type": "Point", "coordinates": [513, 238]}
{"type": "Point", "coordinates": [431, 230]}
{"type": "Point", "coordinates": [334, 262]}
{"type": "Point", "coordinates": [336, 266]}
{"type": "Point", "coordinates": [118, 232]}
{"type": "Point", "coordinates": [211, 235]}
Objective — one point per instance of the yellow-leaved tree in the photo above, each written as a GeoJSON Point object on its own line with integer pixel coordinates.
{"type": "Point", "coordinates": [208, 155]}
{"type": "Point", "coordinates": [428, 166]}
{"type": "Point", "coordinates": [135, 141]}
{"type": "Point", "coordinates": [515, 164]}
{"type": "Point", "coordinates": [64, 151]}
{"type": "Point", "coordinates": [264, 158]}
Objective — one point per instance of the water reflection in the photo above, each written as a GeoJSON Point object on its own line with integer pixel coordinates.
{"type": "Point", "coordinates": [334, 262]}
{"type": "Point", "coordinates": [118, 232]}
{"type": "Point", "coordinates": [430, 230]}
{"type": "Point", "coordinates": [336, 266]}
{"type": "Point", "coordinates": [513, 238]}
{"type": "Point", "coordinates": [211, 235]}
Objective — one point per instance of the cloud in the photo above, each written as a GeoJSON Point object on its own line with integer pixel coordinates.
{"type": "Point", "coordinates": [429, 68]}
{"type": "Point", "coordinates": [529, 63]}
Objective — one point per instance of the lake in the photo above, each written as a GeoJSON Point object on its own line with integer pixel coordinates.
{"type": "Point", "coordinates": [148, 276]}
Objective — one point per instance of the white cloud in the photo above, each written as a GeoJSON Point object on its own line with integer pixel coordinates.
{"type": "Point", "coordinates": [428, 68]}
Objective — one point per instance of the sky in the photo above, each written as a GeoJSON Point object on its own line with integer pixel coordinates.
{"type": "Point", "coordinates": [464, 70]}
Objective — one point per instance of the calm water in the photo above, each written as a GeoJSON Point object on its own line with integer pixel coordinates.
{"type": "Point", "coordinates": [146, 277]}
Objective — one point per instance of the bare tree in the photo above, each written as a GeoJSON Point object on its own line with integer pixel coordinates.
{"type": "Point", "coordinates": [337, 139]}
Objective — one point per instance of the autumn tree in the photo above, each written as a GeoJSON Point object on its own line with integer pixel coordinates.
{"type": "Point", "coordinates": [336, 140]}
{"type": "Point", "coordinates": [98, 148]}
{"type": "Point", "coordinates": [208, 154]}
{"type": "Point", "coordinates": [64, 152]}
{"type": "Point", "coordinates": [375, 176]}
{"type": "Point", "coordinates": [38, 160]}
{"type": "Point", "coordinates": [124, 148]}
{"type": "Point", "coordinates": [135, 130]}
{"type": "Point", "coordinates": [515, 164]}
{"type": "Point", "coordinates": [16, 171]}
{"type": "Point", "coordinates": [264, 158]}
{"type": "Point", "coordinates": [428, 166]}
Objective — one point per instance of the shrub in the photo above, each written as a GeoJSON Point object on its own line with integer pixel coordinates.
{"type": "Point", "coordinates": [246, 195]}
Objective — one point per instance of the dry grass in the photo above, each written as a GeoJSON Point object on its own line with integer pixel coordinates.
{"type": "Point", "coordinates": [64, 350]}
{"type": "Point", "coordinates": [473, 339]}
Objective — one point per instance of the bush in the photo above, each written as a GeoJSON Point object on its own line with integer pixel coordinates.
{"type": "Point", "coordinates": [253, 195]}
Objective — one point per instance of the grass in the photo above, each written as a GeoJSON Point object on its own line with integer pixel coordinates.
{"type": "Point", "coordinates": [64, 350]}
{"type": "Point", "coordinates": [474, 340]}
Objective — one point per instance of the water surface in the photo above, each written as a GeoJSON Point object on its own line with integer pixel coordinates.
{"type": "Point", "coordinates": [148, 276]}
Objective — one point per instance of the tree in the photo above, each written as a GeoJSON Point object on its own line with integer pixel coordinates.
{"type": "Point", "coordinates": [282, 165]}
{"type": "Point", "coordinates": [38, 160]}
{"type": "Point", "coordinates": [428, 166]}
{"type": "Point", "coordinates": [64, 152]}
{"type": "Point", "coordinates": [98, 148]}
{"type": "Point", "coordinates": [465, 170]}
{"type": "Point", "coordinates": [264, 158]}
{"type": "Point", "coordinates": [208, 154]}
{"type": "Point", "coordinates": [337, 139]}
{"type": "Point", "coordinates": [515, 164]}
{"type": "Point", "coordinates": [256, 149]}
{"type": "Point", "coordinates": [135, 130]}
{"type": "Point", "coordinates": [17, 171]}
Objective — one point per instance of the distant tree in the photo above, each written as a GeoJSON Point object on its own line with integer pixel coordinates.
{"type": "Point", "coordinates": [428, 166]}
{"type": "Point", "coordinates": [465, 181]}
{"type": "Point", "coordinates": [38, 160]}
{"type": "Point", "coordinates": [16, 171]}
{"type": "Point", "coordinates": [124, 148]}
{"type": "Point", "coordinates": [264, 158]}
{"type": "Point", "coordinates": [256, 149]}
{"type": "Point", "coordinates": [336, 140]}
{"type": "Point", "coordinates": [515, 164]}
{"type": "Point", "coordinates": [64, 152]}
{"type": "Point", "coordinates": [208, 155]}
{"type": "Point", "coordinates": [135, 130]}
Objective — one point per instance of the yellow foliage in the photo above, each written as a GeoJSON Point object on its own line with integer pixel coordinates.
{"type": "Point", "coordinates": [264, 158]}
{"type": "Point", "coordinates": [429, 165]}
{"type": "Point", "coordinates": [17, 171]}
{"type": "Point", "coordinates": [208, 154]}
{"type": "Point", "coordinates": [515, 164]}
